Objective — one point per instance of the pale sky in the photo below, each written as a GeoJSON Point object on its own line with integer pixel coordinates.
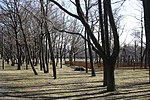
{"type": "Point", "coordinates": [131, 13]}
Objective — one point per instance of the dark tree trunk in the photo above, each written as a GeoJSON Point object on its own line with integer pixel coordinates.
{"type": "Point", "coordinates": [19, 59]}
{"type": "Point", "coordinates": [40, 58]}
{"type": "Point", "coordinates": [145, 62]}
{"type": "Point", "coordinates": [147, 28]}
{"type": "Point", "coordinates": [36, 61]}
{"type": "Point", "coordinates": [105, 74]}
{"type": "Point", "coordinates": [46, 58]}
{"type": "Point", "coordinates": [64, 53]}
{"type": "Point", "coordinates": [88, 38]}
{"type": "Point", "coordinates": [61, 53]}
{"type": "Point", "coordinates": [32, 66]}
{"type": "Point", "coordinates": [86, 62]}
{"type": "Point", "coordinates": [74, 57]}
{"type": "Point", "coordinates": [27, 49]}
{"type": "Point", "coordinates": [141, 52]}
{"type": "Point", "coordinates": [3, 62]}
{"type": "Point", "coordinates": [43, 58]}
{"type": "Point", "coordinates": [70, 57]}
{"type": "Point", "coordinates": [60, 59]}
{"type": "Point", "coordinates": [40, 46]}
{"type": "Point", "coordinates": [3, 65]}
{"type": "Point", "coordinates": [35, 57]}
{"type": "Point", "coordinates": [110, 65]}
{"type": "Point", "coordinates": [135, 55]}
{"type": "Point", "coordinates": [57, 56]}
{"type": "Point", "coordinates": [52, 55]}
{"type": "Point", "coordinates": [91, 59]}
{"type": "Point", "coordinates": [27, 62]}
{"type": "Point", "coordinates": [105, 41]}
{"type": "Point", "coordinates": [18, 51]}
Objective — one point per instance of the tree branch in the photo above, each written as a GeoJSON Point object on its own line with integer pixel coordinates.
{"type": "Point", "coordinates": [65, 10]}
{"type": "Point", "coordinates": [79, 35]}
{"type": "Point", "coordinates": [89, 31]}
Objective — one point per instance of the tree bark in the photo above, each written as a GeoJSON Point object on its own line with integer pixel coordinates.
{"type": "Point", "coordinates": [141, 52]}
{"type": "Point", "coordinates": [147, 28]}
{"type": "Point", "coordinates": [110, 65]}
{"type": "Point", "coordinates": [91, 59]}
{"type": "Point", "coordinates": [46, 57]}
{"type": "Point", "coordinates": [41, 65]}
{"type": "Point", "coordinates": [86, 62]}
{"type": "Point", "coordinates": [61, 56]}
{"type": "Point", "coordinates": [18, 51]}
{"type": "Point", "coordinates": [43, 58]}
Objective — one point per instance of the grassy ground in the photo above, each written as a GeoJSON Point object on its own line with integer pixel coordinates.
{"type": "Point", "coordinates": [70, 85]}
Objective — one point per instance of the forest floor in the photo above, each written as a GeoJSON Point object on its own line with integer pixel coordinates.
{"type": "Point", "coordinates": [71, 85]}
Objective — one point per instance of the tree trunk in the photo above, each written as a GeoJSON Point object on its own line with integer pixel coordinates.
{"type": "Point", "coordinates": [40, 46]}
{"type": "Point", "coordinates": [60, 53]}
{"type": "Point", "coordinates": [86, 62]}
{"type": "Point", "coordinates": [110, 65]}
{"type": "Point", "coordinates": [147, 29]}
{"type": "Point", "coordinates": [105, 74]}
{"type": "Point", "coordinates": [141, 52]}
{"type": "Point", "coordinates": [88, 38]}
{"type": "Point", "coordinates": [19, 59]}
{"type": "Point", "coordinates": [60, 59]}
{"type": "Point", "coordinates": [27, 62]}
{"type": "Point", "coordinates": [57, 56]}
{"type": "Point", "coordinates": [105, 41]}
{"type": "Point", "coordinates": [145, 62]}
{"type": "Point", "coordinates": [3, 63]}
{"type": "Point", "coordinates": [74, 57]}
{"type": "Point", "coordinates": [135, 55]}
{"type": "Point", "coordinates": [42, 54]}
{"type": "Point", "coordinates": [27, 49]}
{"type": "Point", "coordinates": [46, 58]}
{"type": "Point", "coordinates": [18, 50]}
{"type": "Point", "coordinates": [70, 57]}
{"type": "Point", "coordinates": [52, 56]}
{"type": "Point", "coordinates": [36, 60]}
{"type": "Point", "coordinates": [40, 58]}
{"type": "Point", "coordinates": [91, 59]}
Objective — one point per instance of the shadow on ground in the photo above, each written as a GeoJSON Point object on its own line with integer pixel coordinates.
{"type": "Point", "coordinates": [71, 85]}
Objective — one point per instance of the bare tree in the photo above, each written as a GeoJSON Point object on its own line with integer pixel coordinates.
{"type": "Point", "coordinates": [24, 36]}
{"type": "Point", "coordinates": [109, 59]}
{"type": "Point", "coordinates": [49, 38]}
{"type": "Point", "coordinates": [87, 7]}
{"type": "Point", "coordinates": [12, 17]}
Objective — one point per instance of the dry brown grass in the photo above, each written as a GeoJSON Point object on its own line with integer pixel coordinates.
{"type": "Point", "coordinates": [70, 84]}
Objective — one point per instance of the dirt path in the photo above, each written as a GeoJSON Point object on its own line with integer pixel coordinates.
{"type": "Point", "coordinates": [71, 85]}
